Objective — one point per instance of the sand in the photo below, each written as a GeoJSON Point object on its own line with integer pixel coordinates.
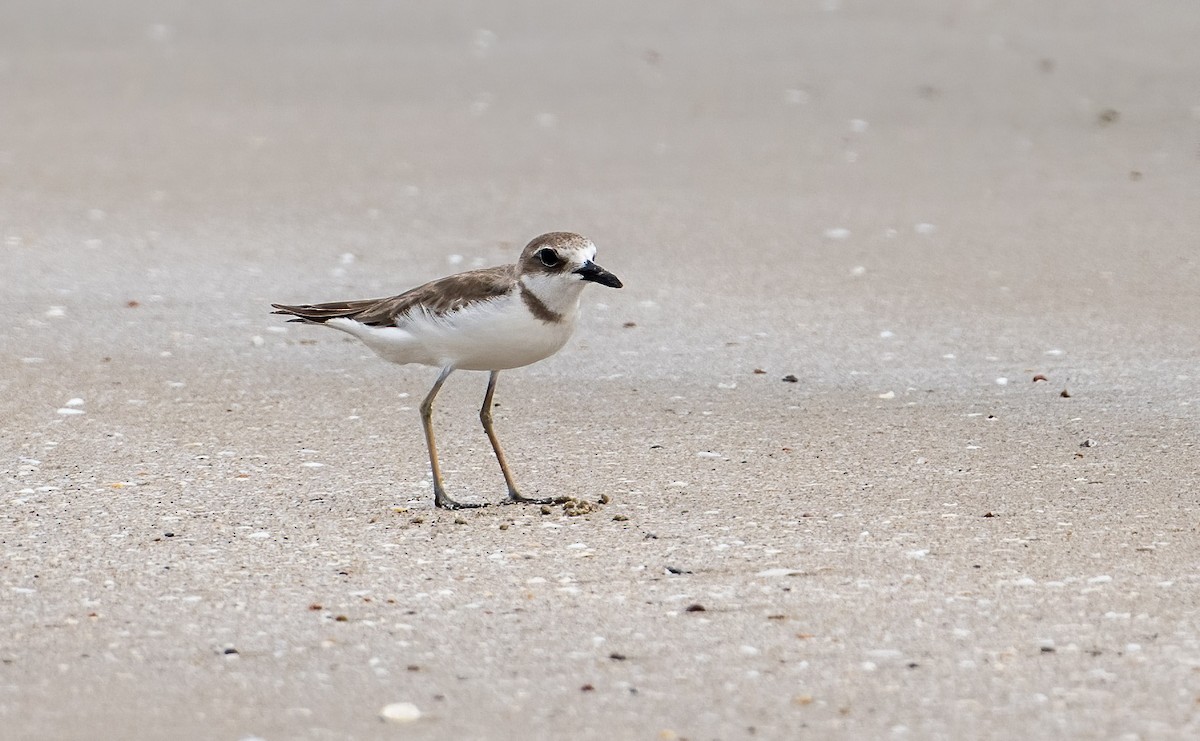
{"type": "Point", "coordinates": [215, 525]}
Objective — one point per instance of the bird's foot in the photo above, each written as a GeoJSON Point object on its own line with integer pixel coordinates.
{"type": "Point", "coordinates": [516, 497]}
{"type": "Point", "coordinates": [441, 501]}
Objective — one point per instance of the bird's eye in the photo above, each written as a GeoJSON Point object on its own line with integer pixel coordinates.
{"type": "Point", "coordinates": [548, 257]}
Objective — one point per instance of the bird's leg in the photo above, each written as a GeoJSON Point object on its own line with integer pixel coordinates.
{"type": "Point", "coordinates": [485, 416]}
{"type": "Point", "coordinates": [439, 492]}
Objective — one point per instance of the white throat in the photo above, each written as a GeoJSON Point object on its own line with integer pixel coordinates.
{"type": "Point", "coordinates": [559, 293]}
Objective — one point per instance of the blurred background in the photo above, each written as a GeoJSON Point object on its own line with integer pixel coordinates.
{"type": "Point", "coordinates": [976, 178]}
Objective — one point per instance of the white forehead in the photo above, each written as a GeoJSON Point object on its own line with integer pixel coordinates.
{"type": "Point", "coordinates": [582, 253]}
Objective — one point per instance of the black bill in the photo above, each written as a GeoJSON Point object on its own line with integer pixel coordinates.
{"type": "Point", "coordinates": [596, 274]}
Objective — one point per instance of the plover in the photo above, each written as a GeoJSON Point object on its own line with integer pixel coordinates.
{"type": "Point", "coordinates": [490, 320]}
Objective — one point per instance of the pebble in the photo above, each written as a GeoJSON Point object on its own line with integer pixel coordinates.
{"type": "Point", "coordinates": [400, 712]}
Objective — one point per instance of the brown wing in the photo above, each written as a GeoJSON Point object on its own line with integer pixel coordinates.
{"type": "Point", "coordinates": [437, 297]}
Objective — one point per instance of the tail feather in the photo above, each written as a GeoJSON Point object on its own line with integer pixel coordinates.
{"type": "Point", "coordinates": [321, 313]}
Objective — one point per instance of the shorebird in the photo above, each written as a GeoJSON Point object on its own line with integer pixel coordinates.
{"type": "Point", "coordinates": [491, 319]}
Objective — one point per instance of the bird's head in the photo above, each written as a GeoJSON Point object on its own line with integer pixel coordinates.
{"type": "Point", "coordinates": [564, 256]}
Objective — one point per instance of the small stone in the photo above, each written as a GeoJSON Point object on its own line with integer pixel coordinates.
{"type": "Point", "coordinates": [1065, 394]}
{"type": "Point", "coordinates": [576, 507]}
{"type": "Point", "coordinates": [605, 499]}
{"type": "Point", "coordinates": [1089, 443]}
{"type": "Point", "coordinates": [587, 688]}
{"type": "Point", "coordinates": [789, 378]}
{"type": "Point", "coordinates": [459, 521]}
{"type": "Point", "coordinates": [504, 526]}
{"type": "Point", "coordinates": [546, 509]}
{"type": "Point", "coordinates": [620, 518]}
{"type": "Point", "coordinates": [695, 607]}
{"type": "Point", "coordinates": [400, 712]}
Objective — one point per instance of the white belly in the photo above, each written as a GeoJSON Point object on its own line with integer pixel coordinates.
{"type": "Point", "coordinates": [493, 335]}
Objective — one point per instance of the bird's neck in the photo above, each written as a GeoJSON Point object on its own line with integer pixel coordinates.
{"type": "Point", "coordinates": [559, 297]}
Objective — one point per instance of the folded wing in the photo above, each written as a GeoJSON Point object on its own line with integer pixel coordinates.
{"type": "Point", "coordinates": [435, 298]}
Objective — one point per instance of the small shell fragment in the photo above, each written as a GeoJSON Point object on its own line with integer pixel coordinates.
{"type": "Point", "coordinates": [400, 712]}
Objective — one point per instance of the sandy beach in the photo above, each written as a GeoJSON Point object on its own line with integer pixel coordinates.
{"type": "Point", "coordinates": [964, 233]}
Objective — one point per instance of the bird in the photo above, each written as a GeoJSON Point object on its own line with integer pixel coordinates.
{"type": "Point", "coordinates": [491, 319]}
